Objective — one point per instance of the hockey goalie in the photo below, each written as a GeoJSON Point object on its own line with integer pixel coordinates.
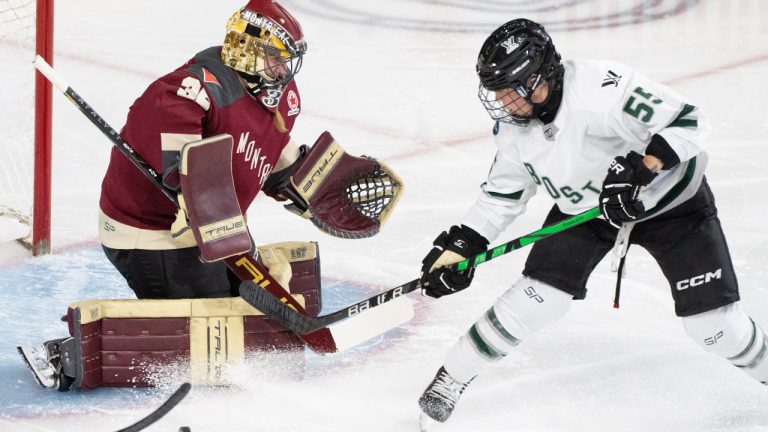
{"type": "Point", "coordinates": [217, 130]}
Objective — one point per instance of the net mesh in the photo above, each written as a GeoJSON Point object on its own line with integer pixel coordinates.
{"type": "Point", "coordinates": [372, 194]}
{"type": "Point", "coordinates": [17, 45]}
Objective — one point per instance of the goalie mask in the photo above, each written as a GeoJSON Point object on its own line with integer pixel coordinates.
{"type": "Point", "coordinates": [519, 57]}
{"type": "Point", "coordinates": [265, 44]}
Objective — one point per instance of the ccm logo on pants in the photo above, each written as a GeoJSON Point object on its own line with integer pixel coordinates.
{"type": "Point", "coordinates": [699, 280]}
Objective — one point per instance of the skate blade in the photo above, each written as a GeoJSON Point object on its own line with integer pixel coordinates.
{"type": "Point", "coordinates": [27, 354]}
{"type": "Point", "coordinates": [426, 422]}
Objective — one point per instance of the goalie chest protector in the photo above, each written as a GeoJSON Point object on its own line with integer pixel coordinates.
{"type": "Point", "coordinates": [201, 99]}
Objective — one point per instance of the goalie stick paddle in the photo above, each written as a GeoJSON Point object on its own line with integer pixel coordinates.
{"type": "Point", "coordinates": [245, 266]}
{"type": "Point", "coordinates": [303, 324]}
{"type": "Point", "coordinates": [162, 410]}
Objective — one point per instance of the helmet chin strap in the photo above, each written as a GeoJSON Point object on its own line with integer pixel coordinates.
{"type": "Point", "coordinates": [547, 110]}
{"type": "Point", "coordinates": [253, 83]}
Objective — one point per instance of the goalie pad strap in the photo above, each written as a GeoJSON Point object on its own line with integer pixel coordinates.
{"type": "Point", "coordinates": [211, 201]}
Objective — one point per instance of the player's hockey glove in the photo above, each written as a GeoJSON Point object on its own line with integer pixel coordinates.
{"type": "Point", "coordinates": [619, 201]}
{"type": "Point", "coordinates": [456, 245]}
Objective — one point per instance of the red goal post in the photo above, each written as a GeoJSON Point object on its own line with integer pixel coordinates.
{"type": "Point", "coordinates": [26, 30]}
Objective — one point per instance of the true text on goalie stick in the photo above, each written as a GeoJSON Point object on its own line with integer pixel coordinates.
{"type": "Point", "coordinates": [303, 324]}
{"type": "Point", "coordinates": [246, 267]}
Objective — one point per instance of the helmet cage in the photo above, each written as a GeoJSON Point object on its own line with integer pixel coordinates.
{"type": "Point", "coordinates": [519, 56]}
{"type": "Point", "coordinates": [262, 49]}
{"type": "Point", "coordinates": [523, 107]}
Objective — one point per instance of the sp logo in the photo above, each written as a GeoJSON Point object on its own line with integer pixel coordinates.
{"type": "Point", "coordinates": [713, 339]}
{"type": "Point", "coordinates": [532, 294]}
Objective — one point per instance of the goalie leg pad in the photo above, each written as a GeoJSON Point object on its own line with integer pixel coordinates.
{"type": "Point", "coordinates": [728, 332]}
{"type": "Point", "coordinates": [345, 196]}
{"type": "Point", "coordinates": [208, 190]}
{"type": "Point", "coordinates": [124, 343]}
{"type": "Point", "coordinates": [296, 266]}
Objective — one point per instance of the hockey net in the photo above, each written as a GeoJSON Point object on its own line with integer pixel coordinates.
{"type": "Point", "coordinates": [25, 30]}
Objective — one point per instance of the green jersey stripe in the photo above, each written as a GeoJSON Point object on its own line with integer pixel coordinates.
{"type": "Point", "coordinates": [676, 190]}
{"type": "Point", "coordinates": [510, 196]}
{"type": "Point", "coordinates": [680, 121]}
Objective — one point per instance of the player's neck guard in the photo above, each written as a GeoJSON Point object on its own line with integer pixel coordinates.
{"type": "Point", "coordinates": [548, 110]}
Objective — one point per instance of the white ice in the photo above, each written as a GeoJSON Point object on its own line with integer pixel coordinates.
{"type": "Point", "coordinates": [396, 80]}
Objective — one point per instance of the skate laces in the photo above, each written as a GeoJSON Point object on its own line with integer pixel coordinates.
{"type": "Point", "coordinates": [446, 388]}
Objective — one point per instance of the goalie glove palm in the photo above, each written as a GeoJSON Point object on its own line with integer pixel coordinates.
{"type": "Point", "coordinates": [619, 201]}
{"type": "Point", "coordinates": [343, 195]}
{"type": "Point", "coordinates": [449, 248]}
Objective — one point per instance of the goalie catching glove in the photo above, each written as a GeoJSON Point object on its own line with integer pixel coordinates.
{"type": "Point", "coordinates": [456, 245]}
{"type": "Point", "coordinates": [343, 195]}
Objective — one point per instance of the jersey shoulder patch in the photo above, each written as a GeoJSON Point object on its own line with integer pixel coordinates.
{"type": "Point", "coordinates": [596, 85]}
{"type": "Point", "coordinates": [220, 82]}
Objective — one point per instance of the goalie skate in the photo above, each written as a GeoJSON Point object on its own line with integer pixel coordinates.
{"type": "Point", "coordinates": [439, 399]}
{"type": "Point", "coordinates": [42, 361]}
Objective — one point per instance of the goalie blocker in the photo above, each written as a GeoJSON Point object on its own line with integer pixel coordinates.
{"type": "Point", "coordinates": [208, 202]}
{"type": "Point", "coordinates": [344, 196]}
{"type": "Point", "coordinates": [125, 343]}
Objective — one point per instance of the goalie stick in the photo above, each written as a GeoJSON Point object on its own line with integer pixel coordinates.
{"type": "Point", "coordinates": [303, 324]}
{"type": "Point", "coordinates": [162, 410]}
{"type": "Point", "coordinates": [245, 266]}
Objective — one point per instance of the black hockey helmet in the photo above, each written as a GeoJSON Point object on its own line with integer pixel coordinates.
{"type": "Point", "coordinates": [519, 56]}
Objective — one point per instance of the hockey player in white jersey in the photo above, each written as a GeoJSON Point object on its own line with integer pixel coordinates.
{"type": "Point", "coordinates": [587, 133]}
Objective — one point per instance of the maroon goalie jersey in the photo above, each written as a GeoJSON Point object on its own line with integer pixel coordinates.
{"type": "Point", "coordinates": [200, 99]}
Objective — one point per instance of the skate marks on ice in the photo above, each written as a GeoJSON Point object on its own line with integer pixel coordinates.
{"type": "Point", "coordinates": [161, 411]}
{"type": "Point", "coordinates": [40, 290]}
{"type": "Point", "coordinates": [169, 404]}
{"type": "Point", "coordinates": [450, 16]}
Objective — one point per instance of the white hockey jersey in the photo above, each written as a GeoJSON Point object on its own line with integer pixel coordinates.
{"type": "Point", "coordinates": [607, 110]}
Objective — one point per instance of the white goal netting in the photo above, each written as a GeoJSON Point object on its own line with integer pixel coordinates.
{"type": "Point", "coordinates": [17, 95]}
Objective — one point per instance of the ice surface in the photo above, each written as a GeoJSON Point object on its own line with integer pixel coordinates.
{"type": "Point", "coordinates": [396, 80]}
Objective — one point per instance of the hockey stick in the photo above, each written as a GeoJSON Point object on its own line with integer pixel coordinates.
{"type": "Point", "coordinates": [245, 266]}
{"type": "Point", "coordinates": [162, 410]}
{"type": "Point", "coordinates": [303, 324]}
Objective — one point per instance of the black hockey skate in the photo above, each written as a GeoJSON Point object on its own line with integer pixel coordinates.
{"type": "Point", "coordinates": [44, 361]}
{"type": "Point", "coordinates": [440, 398]}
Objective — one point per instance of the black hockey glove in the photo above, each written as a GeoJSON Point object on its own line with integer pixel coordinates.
{"type": "Point", "coordinates": [619, 201]}
{"type": "Point", "coordinates": [456, 245]}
